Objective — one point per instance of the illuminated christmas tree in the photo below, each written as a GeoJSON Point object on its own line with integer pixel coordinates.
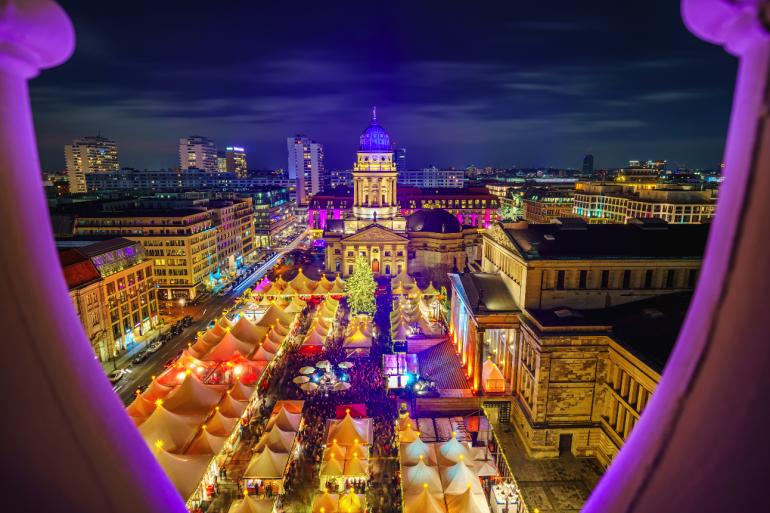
{"type": "Point", "coordinates": [360, 287]}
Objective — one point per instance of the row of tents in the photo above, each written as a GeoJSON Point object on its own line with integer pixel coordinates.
{"type": "Point", "coordinates": [300, 285]}
{"type": "Point", "coordinates": [273, 451]}
{"type": "Point", "coordinates": [413, 316]}
{"type": "Point", "coordinates": [404, 285]}
{"type": "Point", "coordinates": [191, 412]}
{"type": "Point", "coordinates": [359, 333]}
{"type": "Point", "coordinates": [442, 477]}
{"type": "Point", "coordinates": [321, 327]}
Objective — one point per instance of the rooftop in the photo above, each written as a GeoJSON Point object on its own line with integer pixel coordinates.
{"type": "Point", "coordinates": [609, 241]}
{"type": "Point", "coordinates": [484, 292]}
{"type": "Point", "coordinates": [647, 328]}
{"type": "Point", "coordinates": [78, 269]}
{"type": "Point", "coordinates": [159, 212]}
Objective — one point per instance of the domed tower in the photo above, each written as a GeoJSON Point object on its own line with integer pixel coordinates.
{"type": "Point", "coordinates": [374, 175]}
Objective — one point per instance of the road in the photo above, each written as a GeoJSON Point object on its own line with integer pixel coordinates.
{"type": "Point", "coordinates": [211, 308]}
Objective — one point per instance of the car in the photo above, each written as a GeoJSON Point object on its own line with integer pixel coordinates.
{"type": "Point", "coordinates": [117, 375]}
{"type": "Point", "coordinates": [153, 347]}
{"type": "Point", "coordinates": [139, 358]}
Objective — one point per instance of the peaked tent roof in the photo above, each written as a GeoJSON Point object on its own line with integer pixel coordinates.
{"type": "Point", "coordinates": [467, 502]}
{"type": "Point", "coordinates": [240, 391]}
{"type": "Point", "coordinates": [326, 500]}
{"type": "Point", "coordinates": [348, 430]}
{"type": "Point", "coordinates": [140, 407]}
{"type": "Point", "coordinates": [219, 424]}
{"type": "Point", "coordinates": [351, 503]}
{"type": "Point", "coordinates": [227, 348]}
{"type": "Point", "coordinates": [457, 477]}
{"type": "Point", "coordinates": [173, 430]}
{"type": "Point", "coordinates": [356, 467]}
{"type": "Point", "coordinates": [231, 407]}
{"type": "Point", "coordinates": [266, 465]}
{"type": "Point", "coordinates": [277, 440]}
{"type": "Point", "coordinates": [274, 315]}
{"type": "Point", "coordinates": [425, 501]}
{"type": "Point", "coordinates": [184, 470]}
{"type": "Point", "coordinates": [249, 504]}
{"type": "Point", "coordinates": [193, 397]}
{"type": "Point", "coordinates": [408, 435]}
{"type": "Point", "coordinates": [332, 467]}
{"type": "Point", "coordinates": [247, 331]}
{"type": "Point", "coordinates": [285, 420]}
{"type": "Point", "coordinates": [417, 476]}
{"type": "Point", "coordinates": [411, 452]}
{"type": "Point", "coordinates": [156, 390]}
{"type": "Point", "coordinates": [206, 443]}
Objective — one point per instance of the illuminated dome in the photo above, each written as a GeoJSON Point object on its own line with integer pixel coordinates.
{"type": "Point", "coordinates": [433, 220]}
{"type": "Point", "coordinates": [374, 138]}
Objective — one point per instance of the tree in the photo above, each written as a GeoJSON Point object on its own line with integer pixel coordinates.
{"type": "Point", "coordinates": [360, 287]}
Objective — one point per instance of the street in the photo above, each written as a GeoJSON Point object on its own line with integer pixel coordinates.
{"type": "Point", "coordinates": [142, 373]}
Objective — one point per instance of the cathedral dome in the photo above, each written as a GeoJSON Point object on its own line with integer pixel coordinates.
{"type": "Point", "coordinates": [435, 220]}
{"type": "Point", "coordinates": [375, 138]}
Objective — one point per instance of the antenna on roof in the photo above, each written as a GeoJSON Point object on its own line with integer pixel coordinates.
{"type": "Point", "coordinates": [374, 113]}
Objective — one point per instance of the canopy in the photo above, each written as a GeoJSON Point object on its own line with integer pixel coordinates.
{"type": "Point", "coordinates": [491, 377]}
{"type": "Point", "coordinates": [408, 435]}
{"type": "Point", "coordinates": [451, 451]}
{"type": "Point", "coordinates": [486, 468]}
{"type": "Point", "coordinates": [457, 477]}
{"type": "Point", "coordinates": [262, 355]}
{"type": "Point", "coordinates": [140, 407]}
{"type": "Point", "coordinates": [206, 443]}
{"type": "Point", "coordinates": [169, 430]}
{"type": "Point", "coordinates": [324, 284]}
{"type": "Point", "coordinates": [266, 465]}
{"type": "Point", "coordinates": [193, 397]}
{"type": "Point", "coordinates": [241, 391]}
{"type": "Point", "coordinates": [247, 331]}
{"type": "Point", "coordinates": [220, 425]}
{"type": "Point", "coordinates": [309, 387]}
{"type": "Point", "coordinates": [356, 467]}
{"type": "Point", "coordinates": [184, 470]}
{"type": "Point", "coordinates": [231, 407]}
{"type": "Point", "coordinates": [296, 306]}
{"type": "Point", "coordinates": [277, 440]}
{"type": "Point", "coordinates": [251, 505]}
{"type": "Point", "coordinates": [338, 287]}
{"type": "Point", "coordinates": [327, 501]}
{"type": "Point", "coordinates": [430, 290]}
{"type": "Point", "coordinates": [467, 502]}
{"type": "Point", "coordinates": [285, 420]}
{"type": "Point", "coordinates": [358, 339]}
{"type": "Point", "coordinates": [332, 467]}
{"type": "Point", "coordinates": [315, 338]}
{"type": "Point", "coordinates": [411, 453]}
{"type": "Point", "coordinates": [399, 332]}
{"type": "Point", "coordinates": [156, 390]}
{"type": "Point", "coordinates": [424, 501]}
{"type": "Point", "coordinates": [416, 477]}
{"type": "Point", "coordinates": [274, 315]}
{"type": "Point", "coordinates": [351, 503]}
{"type": "Point", "coordinates": [227, 348]}
{"type": "Point", "coordinates": [348, 430]}
{"type": "Point", "coordinates": [335, 450]}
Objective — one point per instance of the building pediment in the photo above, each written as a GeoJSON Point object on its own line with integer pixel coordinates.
{"type": "Point", "coordinates": [374, 233]}
{"type": "Point", "coordinates": [500, 236]}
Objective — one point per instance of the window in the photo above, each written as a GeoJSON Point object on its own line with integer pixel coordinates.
{"type": "Point", "coordinates": [560, 280]}
{"type": "Point", "coordinates": [692, 278]}
{"type": "Point", "coordinates": [605, 279]}
{"type": "Point", "coordinates": [648, 279]}
{"type": "Point", "coordinates": [627, 279]}
{"type": "Point", "coordinates": [670, 279]}
{"type": "Point", "coordinates": [350, 269]}
{"type": "Point", "coordinates": [582, 279]}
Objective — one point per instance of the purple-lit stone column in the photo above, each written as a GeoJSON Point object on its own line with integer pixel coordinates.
{"type": "Point", "coordinates": [67, 443]}
{"type": "Point", "coordinates": [702, 443]}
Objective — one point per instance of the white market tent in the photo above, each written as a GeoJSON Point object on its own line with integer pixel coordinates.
{"type": "Point", "coordinates": [467, 502]}
{"type": "Point", "coordinates": [247, 331]}
{"type": "Point", "coordinates": [356, 467]}
{"type": "Point", "coordinates": [231, 407]}
{"type": "Point", "coordinates": [285, 420]}
{"type": "Point", "coordinates": [408, 435]}
{"type": "Point", "coordinates": [452, 451]}
{"type": "Point", "coordinates": [411, 453]}
{"type": "Point", "coordinates": [417, 476]}
{"type": "Point", "coordinates": [227, 348]}
{"type": "Point", "coordinates": [352, 503]}
{"type": "Point", "coordinates": [184, 470]}
{"type": "Point", "coordinates": [206, 443]}
{"type": "Point", "coordinates": [457, 477]}
{"type": "Point", "coordinates": [348, 430]}
{"type": "Point", "coordinates": [220, 425]}
{"type": "Point", "coordinates": [425, 501]}
{"type": "Point", "coordinates": [251, 505]}
{"type": "Point", "coordinates": [328, 501]}
{"type": "Point", "coordinates": [357, 340]}
{"type": "Point", "coordinates": [277, 440]}
{"type": "Point", "coordinates": [169, 430]}
{"type": "Point", "coordinates": [266, 465]}
{"type": "Point", "coordinates": [332, 467]}
{"type": "Point", "coordinates": [193, 397]}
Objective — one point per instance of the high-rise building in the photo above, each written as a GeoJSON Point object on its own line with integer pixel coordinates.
{"type": "Point", "coordinates": [588, 164]}
{"type": "Point", "coordinates": [235, 160]}
{"type": "Point", "coordinates": [197, 152]}
{"type": "Point", "coordinates": [221, 162]}
{"type": "Point", "coordinates": [399, 154]}
{"type": "Point", "coordinates": [89, 155]}
{"type": "Point", "coordinates": [306, 166]}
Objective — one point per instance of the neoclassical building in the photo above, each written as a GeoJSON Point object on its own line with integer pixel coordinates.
{"type": "Point", "coordinates": [375, 227]}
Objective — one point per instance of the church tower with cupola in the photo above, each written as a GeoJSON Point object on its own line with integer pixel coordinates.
{"type": "Point", "coordinates": [375, 176]}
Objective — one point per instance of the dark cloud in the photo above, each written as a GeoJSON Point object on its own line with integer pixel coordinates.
{"type": "Point", "coordinates": [499, 83]}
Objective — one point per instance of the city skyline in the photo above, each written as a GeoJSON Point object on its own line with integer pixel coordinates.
{"type": "Point", "coordinates": [502, 89]}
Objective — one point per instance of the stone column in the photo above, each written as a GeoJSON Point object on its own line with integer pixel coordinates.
{"type": "Point", "coordinates": [76, 449]}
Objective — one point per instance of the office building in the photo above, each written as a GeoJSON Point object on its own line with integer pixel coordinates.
{"type": "Point", "coordinates": [399, 154]}
{"type": "Point", "coordinates": [545, 204]}
{"type": "Point", "coordinates": [305, 166]}
{"type": "Point", "coordinates": [619, 202]}
{"type": "Point", "coordinates": [234, 222]}
{"type": "Point", "coordinates": [196, 152]}
{"type": "Point", "coordinates": [588, 164]}
{"type": "Point", "coordinates": [182, 243]}
{"type": "Point", "coordinates": [113, 290]}
{"type": "Point", "coordinates": [235, 161]}
{"type": "Point", "coordinates": [89, 155]}
{"type": "Point", "coordinates": [432, 177]}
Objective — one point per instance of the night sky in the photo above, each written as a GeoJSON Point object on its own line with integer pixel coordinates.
{"type": "Point", "coordinates": [506, 83]}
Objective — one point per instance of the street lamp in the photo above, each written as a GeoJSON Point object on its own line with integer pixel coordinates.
{"type": "Point", "coordinates": [181, 306]}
